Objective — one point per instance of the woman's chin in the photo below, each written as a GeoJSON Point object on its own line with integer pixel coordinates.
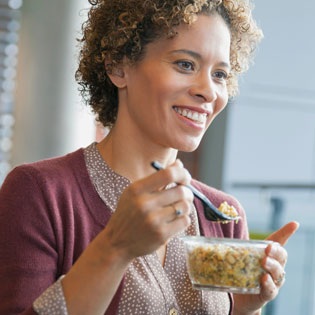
{"type": "Point", "coordinates": [188, 146]}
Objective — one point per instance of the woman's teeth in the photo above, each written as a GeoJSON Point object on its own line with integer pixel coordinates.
{"type": "Point", "coordinates": [195, 116]}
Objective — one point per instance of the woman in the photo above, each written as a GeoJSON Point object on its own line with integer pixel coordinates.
{"type": "Point", "coordinates": [99, 227]}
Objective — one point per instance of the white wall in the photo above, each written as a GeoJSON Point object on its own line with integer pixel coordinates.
{"type": "Point", "coordinates": [50, 118]}
{"type": "Point", "coordinates": [270, 140]}
{"type": "Point", "coordinates": [81, 127]}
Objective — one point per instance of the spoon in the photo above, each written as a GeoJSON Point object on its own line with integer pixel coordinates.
{"type": "Point", "coordinates": [211, 212]}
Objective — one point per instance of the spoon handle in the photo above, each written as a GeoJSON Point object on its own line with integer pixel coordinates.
{"type": "Point", "coordinates": [212, 213]}
{"type": "Point", "coordinates": [195, 191]}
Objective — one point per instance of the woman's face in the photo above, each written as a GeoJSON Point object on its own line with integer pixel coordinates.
{"type": "Point", "coordinates": [173, 94]}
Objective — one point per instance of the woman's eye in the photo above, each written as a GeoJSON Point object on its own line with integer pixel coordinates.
{"type": "Point", "coordinates": [221, 75]}
{"type": "Point", "coordinates": [185, 65]}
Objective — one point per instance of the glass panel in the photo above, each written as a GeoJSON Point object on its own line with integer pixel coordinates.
{"type": "Point", "coordinates": [9, 27]}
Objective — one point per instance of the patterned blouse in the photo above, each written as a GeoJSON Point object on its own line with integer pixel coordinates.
{"type": "Point", "coordinates": [149, 288]}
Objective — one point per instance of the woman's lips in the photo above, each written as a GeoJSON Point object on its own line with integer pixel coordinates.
{"type": "Point", "coordinates": [197, 120]}
{"type": "Point", "coordinates": [193, 115]}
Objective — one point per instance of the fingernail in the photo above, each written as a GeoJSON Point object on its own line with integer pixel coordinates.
{"type": "Point", "coordinates": [180, 163]}
{"type": "Point", "coordinates": [268, 262]}
{"type": "Point", "coordinates": [297, 225]}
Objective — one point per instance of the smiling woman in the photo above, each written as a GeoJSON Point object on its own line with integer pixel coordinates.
{"type": "Point", "coordinates": [98, 230]}
{"type": "Point", "coordinates": [186, 77]}
{"type": "Point", "coordinates": [122, 29]}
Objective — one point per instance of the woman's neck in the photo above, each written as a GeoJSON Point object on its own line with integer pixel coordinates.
{"type": "Point", "coordinates": [131, 158]}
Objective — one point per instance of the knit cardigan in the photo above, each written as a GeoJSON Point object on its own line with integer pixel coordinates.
{"type": "Point", "coordinates": [49, 213]}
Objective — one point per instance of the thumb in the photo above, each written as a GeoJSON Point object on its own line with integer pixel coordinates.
{"type": "Point", "coordinates": [283, 234]}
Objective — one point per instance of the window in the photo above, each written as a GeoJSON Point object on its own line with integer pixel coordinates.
{"type": "Point", "coordinates": [9, 28]}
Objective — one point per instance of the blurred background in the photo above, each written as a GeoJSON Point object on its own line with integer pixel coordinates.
{"type": "Point", "coordinates": [261, 149]}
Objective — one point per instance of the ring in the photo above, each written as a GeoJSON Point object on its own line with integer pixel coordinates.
{"type": "Point", "coordinates": [177, 212]}
{"type": "Point", "coordinates": [282, 277]}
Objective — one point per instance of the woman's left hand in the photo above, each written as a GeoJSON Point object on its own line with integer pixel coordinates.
{"type": "Point", "coordinates": [272, 281]}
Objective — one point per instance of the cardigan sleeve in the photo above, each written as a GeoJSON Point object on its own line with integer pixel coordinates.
{"type": "Point", "coordinates": [28, 258]}
{"type": "Point", "coordinates": [52, 301]}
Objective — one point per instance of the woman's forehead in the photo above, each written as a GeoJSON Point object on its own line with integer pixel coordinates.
{"type": "Point", "coordinates": [207, 34]}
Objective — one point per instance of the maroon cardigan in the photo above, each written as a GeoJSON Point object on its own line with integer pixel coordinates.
{"type": "Point", "coordinates": [49, 213]}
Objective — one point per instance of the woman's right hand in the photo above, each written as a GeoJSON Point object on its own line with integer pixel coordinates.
{"type": "Point", "coordinates": [145, 217]}
{"type": "Point", "coordinates": [143, 221]}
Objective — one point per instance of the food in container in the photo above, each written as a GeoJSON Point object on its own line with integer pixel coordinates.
{"type": "Point", "coordinates": [224, 264]}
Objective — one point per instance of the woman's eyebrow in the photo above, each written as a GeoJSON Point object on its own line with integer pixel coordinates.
{"type": "Point", "coordinates": [198, 56]}
{"type": "Point", "coordinates": [186, 51]}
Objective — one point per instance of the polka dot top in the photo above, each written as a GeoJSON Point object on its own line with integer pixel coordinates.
{"type": "Point", "coordinates": [150, 288]}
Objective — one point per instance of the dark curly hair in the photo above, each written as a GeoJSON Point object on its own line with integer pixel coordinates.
{"type": "Point", "coordinates": [122, 28]}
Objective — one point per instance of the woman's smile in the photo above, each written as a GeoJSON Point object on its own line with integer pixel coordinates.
{"type": "Point", "coordinates": [195, 117]}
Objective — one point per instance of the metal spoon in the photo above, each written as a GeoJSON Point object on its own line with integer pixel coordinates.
{"type": "Point", "coordinates": [211, 212]}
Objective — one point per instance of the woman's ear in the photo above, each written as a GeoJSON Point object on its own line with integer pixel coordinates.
{"type": "Point", "coordinates": [116, 74]}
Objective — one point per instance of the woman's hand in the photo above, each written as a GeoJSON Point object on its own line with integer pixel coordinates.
{"type": "Point", "coordinates": [145, 217]}
{"type": "Point", "coordinates": [272, 281]}
{"type": "Point", "coordinates": [144, 220]}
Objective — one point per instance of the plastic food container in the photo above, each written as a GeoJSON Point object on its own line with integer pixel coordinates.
{"type": "Point", "coordinates": [224, 264]}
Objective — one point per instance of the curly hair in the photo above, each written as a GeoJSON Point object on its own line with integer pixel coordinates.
{"type": "Point", "coordinates": [122, 28]}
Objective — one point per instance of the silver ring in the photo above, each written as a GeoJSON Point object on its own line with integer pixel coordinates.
{"type": "Point", "coordinates": [280, 280]}
{"type": "Point", "coordinates": [177, 212]}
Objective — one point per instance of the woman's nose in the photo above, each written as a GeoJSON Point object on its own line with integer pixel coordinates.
{"type": "Point", "coordinates": [204, 88]}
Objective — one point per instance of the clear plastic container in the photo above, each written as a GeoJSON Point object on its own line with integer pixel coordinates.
{"type": "Point", "coordinates": [224, 264]}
